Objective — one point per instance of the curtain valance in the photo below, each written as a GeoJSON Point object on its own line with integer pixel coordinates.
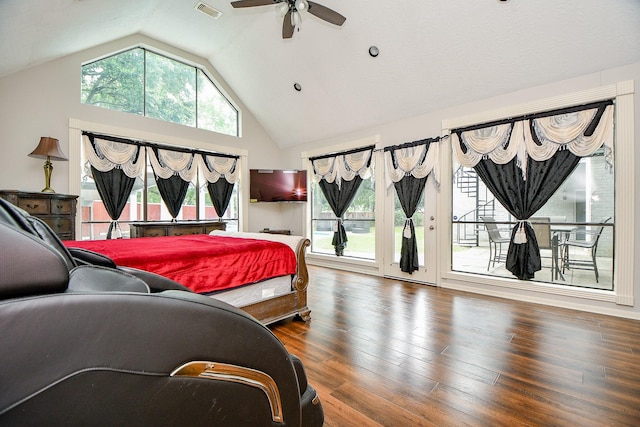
{"type": "Point", "coordinates": [215, 167]}
{"type": "Point", "coordinates": [418, 159]}
{"type": "Point", "coordinates": [344, 166]}
{"type": "Point", "coordinates": [105, 155]}
{"type": "Point", "coordinates": [581, 132]}
{"type": "Point", "coordinates": [166, 163]}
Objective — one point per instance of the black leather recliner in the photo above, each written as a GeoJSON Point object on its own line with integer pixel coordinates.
{"type": "Point", "coordinates": [86, 344]}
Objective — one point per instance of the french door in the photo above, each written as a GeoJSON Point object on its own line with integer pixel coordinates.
{"type": "Point", "coordinates": [425, 224]}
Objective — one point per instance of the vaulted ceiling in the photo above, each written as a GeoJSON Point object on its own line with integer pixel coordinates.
{"type": "Point", "coordinates": [433, 53]}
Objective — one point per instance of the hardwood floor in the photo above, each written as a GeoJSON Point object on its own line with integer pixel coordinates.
{"type": "Point", "coordinates": [391, 353]}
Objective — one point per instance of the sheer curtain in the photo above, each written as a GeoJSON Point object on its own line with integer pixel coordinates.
{"type": "Point", "coordinates": [339, 177]}
{"type": "Point", "coordinates": [407, 168]}
{"type": "Point", "coordinates": [524, 160]}
{"type": "Point", "coordinates": [221, 173]}
{"type": "Point", "coordinates": [115, 166]}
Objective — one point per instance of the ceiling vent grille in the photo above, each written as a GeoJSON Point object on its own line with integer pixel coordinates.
{"type": "Point", "coordinates": [208, 10]}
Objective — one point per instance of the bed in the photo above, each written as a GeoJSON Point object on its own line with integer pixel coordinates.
{"type": "Point", "coordinates": [263, 274]}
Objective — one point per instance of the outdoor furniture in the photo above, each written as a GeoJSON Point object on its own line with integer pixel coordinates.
{"type": "Point", "coordinates": [548, 239]}
{"type": "Point", "coordinates": [496, 239]}
{"type": "Point", "coordinates": [591, 242]}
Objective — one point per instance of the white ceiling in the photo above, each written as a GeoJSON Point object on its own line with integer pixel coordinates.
{"type": "Point", "coordinates": [433, 53]}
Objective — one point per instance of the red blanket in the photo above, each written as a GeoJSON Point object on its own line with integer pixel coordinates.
{"type": "Point", "coordinates": [200, 262]}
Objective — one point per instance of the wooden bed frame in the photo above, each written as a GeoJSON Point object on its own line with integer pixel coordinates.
{"type": "Point", "coordinates": [290, 304]}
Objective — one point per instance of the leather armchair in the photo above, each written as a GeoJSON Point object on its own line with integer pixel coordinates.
{"type": "Point", "coordinates": [87, 344]}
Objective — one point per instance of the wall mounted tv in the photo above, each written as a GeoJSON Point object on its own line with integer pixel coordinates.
{"type": "Point", "coordinates": [269, 185]}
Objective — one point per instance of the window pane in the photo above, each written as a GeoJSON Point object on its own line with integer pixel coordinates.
{"type": "Point", "coordinates": [573, 215]}
{"type": "Point", "coordinates": [116, 82]}
{"type": "Point", "coordinates": [359, 223]}
{"type": "Point", "coordinates": [231, 215]}
{"type": "Point", "coordinates": [214, 111]}
{"type": "Point", "coordinates": [170, 90]}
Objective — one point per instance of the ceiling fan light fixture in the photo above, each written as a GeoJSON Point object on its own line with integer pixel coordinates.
{"type": "Point", "coordinates": [301, 5]}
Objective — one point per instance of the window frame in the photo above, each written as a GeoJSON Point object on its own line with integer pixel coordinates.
{"type": "Point", "coordinates": [76, 127]}
{"type": "Point", "coordinates": [623, 288]}
{"type": "Point", "coordinates": [196, 69]}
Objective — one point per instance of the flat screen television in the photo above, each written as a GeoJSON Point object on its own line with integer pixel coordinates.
{"type": "Point", "coordinates": [270, 185]}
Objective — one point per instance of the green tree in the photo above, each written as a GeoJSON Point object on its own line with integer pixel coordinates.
{"type": "Point", "coordinates": [116, 82]}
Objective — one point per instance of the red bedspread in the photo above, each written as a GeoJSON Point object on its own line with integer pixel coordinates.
{"type": "Point", "coordinates": [200, 262]}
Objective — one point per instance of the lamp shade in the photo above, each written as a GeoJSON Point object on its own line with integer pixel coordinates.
{"type": "Point", "coordinates": [48, 148]}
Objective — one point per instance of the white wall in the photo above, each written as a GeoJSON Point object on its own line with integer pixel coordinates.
{"type": "Point", "coordinates": [429, 125]}
{"type": "Point", "coordinates": [40, 101]}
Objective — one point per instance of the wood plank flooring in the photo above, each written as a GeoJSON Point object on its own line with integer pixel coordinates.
{"type": "Point", "coordinates": [383, 352]}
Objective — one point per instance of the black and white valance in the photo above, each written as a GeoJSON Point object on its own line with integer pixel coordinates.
{"type": "Point", "coordinates": [407, 168]}
{"type": "Point", "coordinates": [418, 159]}
{"type": "Point", "coordinates": [343, 166]}
{"type": "Point", "coordinates": [339, 176]}
{"type": "Point", "coordinates": [582, 132]}
{"type": "Point", "coordinates": [107, 154]}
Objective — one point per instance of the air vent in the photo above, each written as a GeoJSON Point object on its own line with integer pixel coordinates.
{"type": "Point", "coordinates": [206, 9]}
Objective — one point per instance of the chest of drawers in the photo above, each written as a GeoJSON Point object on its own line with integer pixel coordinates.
{"type": "Point", "coordinates": [179, 228]}
{"type": "Point", "coordinates": [57, 210]}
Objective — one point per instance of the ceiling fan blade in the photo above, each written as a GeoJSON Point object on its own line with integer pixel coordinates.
{"type": "Point", "coordinates": [251, 3]}
{"type": "Point", "coordinates": [287, 26]}
{"type": "Point", "coordinates": [326, 14]}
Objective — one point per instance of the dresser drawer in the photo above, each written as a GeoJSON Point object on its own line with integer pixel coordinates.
{"type": "Point", "coordinates": [59, 225]}
{"type": "Point", "coordinates": [62, 207]}
{"type": "Point", "coordinates": [35, 206]}
{"type": "Point", "coordinates": [184, 230]}
{"type": "Point", "coordinates": [152, 232]}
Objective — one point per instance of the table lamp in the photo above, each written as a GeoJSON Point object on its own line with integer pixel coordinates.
{"type": "Point", "coordinates": [48, 148]}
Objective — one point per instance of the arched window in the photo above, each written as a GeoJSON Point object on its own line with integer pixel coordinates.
{"type": "Point", "coordinates": [142, 82]}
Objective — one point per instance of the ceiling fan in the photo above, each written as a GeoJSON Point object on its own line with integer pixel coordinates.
{"type": "Point", "coordinates": [291, 10]}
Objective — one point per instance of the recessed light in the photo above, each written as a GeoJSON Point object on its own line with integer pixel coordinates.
{"type": "Point", "coordinates": [297, 87]}
{"type": "Point", "coordinates": [374, 51]}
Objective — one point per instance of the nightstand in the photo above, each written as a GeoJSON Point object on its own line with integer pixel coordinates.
{"type": "Point", "coordinates": [57, 210]}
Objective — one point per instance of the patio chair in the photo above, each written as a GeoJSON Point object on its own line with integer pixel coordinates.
{"type": "Point", "coordinates": [591, 243]}
{"type": "Point", "coordinates": [496, 239]}
{"type": "Point", "coordinates": [547, 240]}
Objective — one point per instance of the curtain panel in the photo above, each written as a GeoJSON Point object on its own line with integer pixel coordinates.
{"type": "Point", "coordinates": [221, 174]}
{"type": "Point", "coordinates": [407, 168]}
{"type": "Point", "coordinates": [114, 167]}
{"type": "Point", "coordinates": [523, 161]}
{"type": "Point", "coordinates": [173, 171]}
{"type": "Point", "coordinates": [339, 176]}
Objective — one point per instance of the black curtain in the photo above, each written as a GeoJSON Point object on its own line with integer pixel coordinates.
{"type": "Point", "coordinates": [220, 193]}
{"type": "Point", "coordinates": [173, 190]}
{"type": "Point", "coordinates": [339, 199]}
{"type": "Point", "coordinates": [409, 190]}
{"type": "Point", "coordinates": [114, 188]}
{"type": "Point", "coordinates": [522, 198]}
